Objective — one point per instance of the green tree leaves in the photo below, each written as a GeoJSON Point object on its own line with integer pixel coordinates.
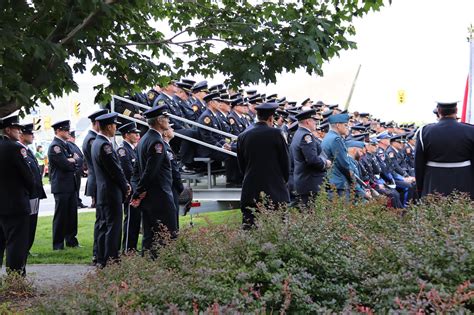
{"type": "Point", "coordinates": [140, 43]}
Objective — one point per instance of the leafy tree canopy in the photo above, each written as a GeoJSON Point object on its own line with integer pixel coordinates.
{"type": "Point", "coordinates": [44, 42]}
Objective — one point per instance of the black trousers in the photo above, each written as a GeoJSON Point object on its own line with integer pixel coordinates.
{"type": "Point", "coordinates": [176, 204]}
{"type": "Point", "coordinates": [152, 228]}
{"type": "Point", "coordinates": [96, 231]}
{"type": "Point", "coordinates": [131, 227]}
{"type": "Point", "coordinates": [33, 218]}
{"type": "Point", "coordinates": [65, 220]}
{"type": "Point", "coordinates": [109, 233]}
{"type": "Point", "coordinates": [78, 186]}
{"type": "Point", "coordinates": [233, 174]}
{"type": "Point", "coordinates": [14, 238]}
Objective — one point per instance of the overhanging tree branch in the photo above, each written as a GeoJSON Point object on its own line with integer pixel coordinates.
{"type": "Point", "coordinates": [84, 23]}
{"type": "Point", "coordinates": [162, 42]}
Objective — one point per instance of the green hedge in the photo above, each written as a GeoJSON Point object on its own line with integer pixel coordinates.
{"type": "Point", "coordinates": [328, 258]}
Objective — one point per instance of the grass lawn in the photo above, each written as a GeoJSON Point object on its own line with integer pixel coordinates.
{"type": "Point", "coordinates": [43, 253]}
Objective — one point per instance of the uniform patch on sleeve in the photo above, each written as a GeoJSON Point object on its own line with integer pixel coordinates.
{"type": "Point", "coordinates": [170, 155]}
{"type": "Point", "coordinates": [122, 152]}
{"type": "Point", "coordinates": [159, 148]}
{"type": "Point", "coordinates": [231, 121]}
{"type": "Point", "coordinates": [308, 139]}
{"type": "Point", "coordinates": [23, 152]}
{"type": "Point", "coordinates": [57, 149]}
{"type": "Point", "coordinates": [195, 108]}
{"type": "Point", "coordinates": [107, 149]}
{"type": "Point", "coordinates": [391, 155]}
{"type": "Point", "coordinates": [207, 120]}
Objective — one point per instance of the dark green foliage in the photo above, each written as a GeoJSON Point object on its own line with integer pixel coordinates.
{"type": "Point", "coordinates": [43, 43]}
{"type": "Point", "coordinates": [329, 258]}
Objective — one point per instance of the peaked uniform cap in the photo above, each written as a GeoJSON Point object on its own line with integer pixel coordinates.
{"type": "Point", "coordinates": [62, 125]}
{"type": "Point", "coordinates": [339, 119]}
{"type": "Point", "coordinates": [211, 96]}
{"type": "Point", "coordinates": [160, 110]}
{"type": "Point", "coordinates": [107, 119]}
{"type": "Point", "coordinates": [129, 128]}
{"type": "Point", "coordinates": [98, 113]}
{"type": "Point", "coordinates": [12, 121]}
{"type": "Point", "coordinates": [267, 107]}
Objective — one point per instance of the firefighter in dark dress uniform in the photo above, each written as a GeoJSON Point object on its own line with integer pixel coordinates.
{"type": "Point", "coordinates": [79, 157]}
{"type": "Point", "coordinates": [62, 170]}
{"type": "Point", "coordinates": [209, 118]}
{"type": "Point", "coordinates": [16, 185]}
{"type": "Point", "coordinates": [112, 190]}
{"type": "Point", "coordinates": [154, 192]}
{"type": "Point", "coordinates": [309, 159]}
{"type": "Point", "coordinates": [263, 157]}
{"type": "Point", "coordinates": [91, 185]}
{"type": "Point", "coordinates": [38, 193]}
{"type": "Point", "coordinates": [177, 186]}
{"type": "Point", "coordinates": [128, 157]}
{"type": "Point", "coordinates": [444, 155]}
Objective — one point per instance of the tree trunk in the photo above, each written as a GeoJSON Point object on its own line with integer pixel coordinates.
{"type": "Point", "coordinates": [8, 108]}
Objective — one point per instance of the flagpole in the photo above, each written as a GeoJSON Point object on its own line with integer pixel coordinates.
{"type": "Point", "coordinates": [469, 113]}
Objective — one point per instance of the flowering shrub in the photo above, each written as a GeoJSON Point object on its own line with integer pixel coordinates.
{"type": "Point", "coordinates": [328, 257]}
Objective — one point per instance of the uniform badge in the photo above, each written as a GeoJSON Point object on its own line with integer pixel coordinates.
{"type": "Point", "coordinates": [408, 151]}
{"type": "Point", "coordinates": [56, 149]}
{"type": "Point", "coordinates": [231, 121]}
{"type": "Point", "coordinates": [161, 102]}
{"type": "Point", "coordinates": [170, 155]}
{"type": "Point", "coordinates": [122, 152]}
{"type": "Point", "coordinates": [391, 155]}
{"type": "Point", "coordinates": [107, 149]}
{"type": "Point", "coordinates": [207, 120]}
{"type": "Point", "coordinates": [23, 152]}
{"type": "Point", "coordinates": [308, 139]}
{"type": "Point", "coordinates": [195, 108]}
{"type": "Point", "coordinates": [150, 96]}
{"type": "Point", "coordinates": [159, 148]}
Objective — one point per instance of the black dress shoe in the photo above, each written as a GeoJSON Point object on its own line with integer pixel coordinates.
{"type": "Point", "coordinates": [58, 248]}
{"type": "Point", "coordinates": [81, 206]}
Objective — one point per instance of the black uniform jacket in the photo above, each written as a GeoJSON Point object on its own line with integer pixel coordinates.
{"type": "Point", "coordinates": [16, 179]}
{"type": "Point", "coordinates": [79, 156]}
{"type": "Point", "coordinates": [155, 176]}
{"type": "Point", "coordinates": [61, 171]}
{"type": "Point", "coordinates": [309, 168]}
{"type": "Point", "coordinates": [128, 157]}
{"type": "Point", "coordinates": [38, 190]}
{"type": "Point", "coordinates": [447, 141]}
{"type": "Point", "coordinates": [177, 186]}
{"type": "Point", "coordinates": [91, 186]}
{"type": "Point", "coordinates": [111, 182]}
{"type": "Point", "coordinates": [263, 158]}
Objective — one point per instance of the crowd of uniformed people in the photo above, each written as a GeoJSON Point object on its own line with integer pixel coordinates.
{"type": "Point", "coordinates": [286, 151]}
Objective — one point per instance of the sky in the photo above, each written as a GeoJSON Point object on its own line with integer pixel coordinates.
{"type": "Point", "coordinates": [418, 47]}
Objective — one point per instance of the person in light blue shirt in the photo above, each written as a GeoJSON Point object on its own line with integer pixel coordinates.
{"type": "Point", "coordinates": [340, 175]}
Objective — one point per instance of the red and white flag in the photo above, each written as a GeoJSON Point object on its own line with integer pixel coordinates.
{"type": "Point", "coordinates": [468, 103]}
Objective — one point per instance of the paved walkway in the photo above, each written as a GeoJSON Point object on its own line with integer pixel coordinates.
{"type": "Point", "coordinates": [55, 276]}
